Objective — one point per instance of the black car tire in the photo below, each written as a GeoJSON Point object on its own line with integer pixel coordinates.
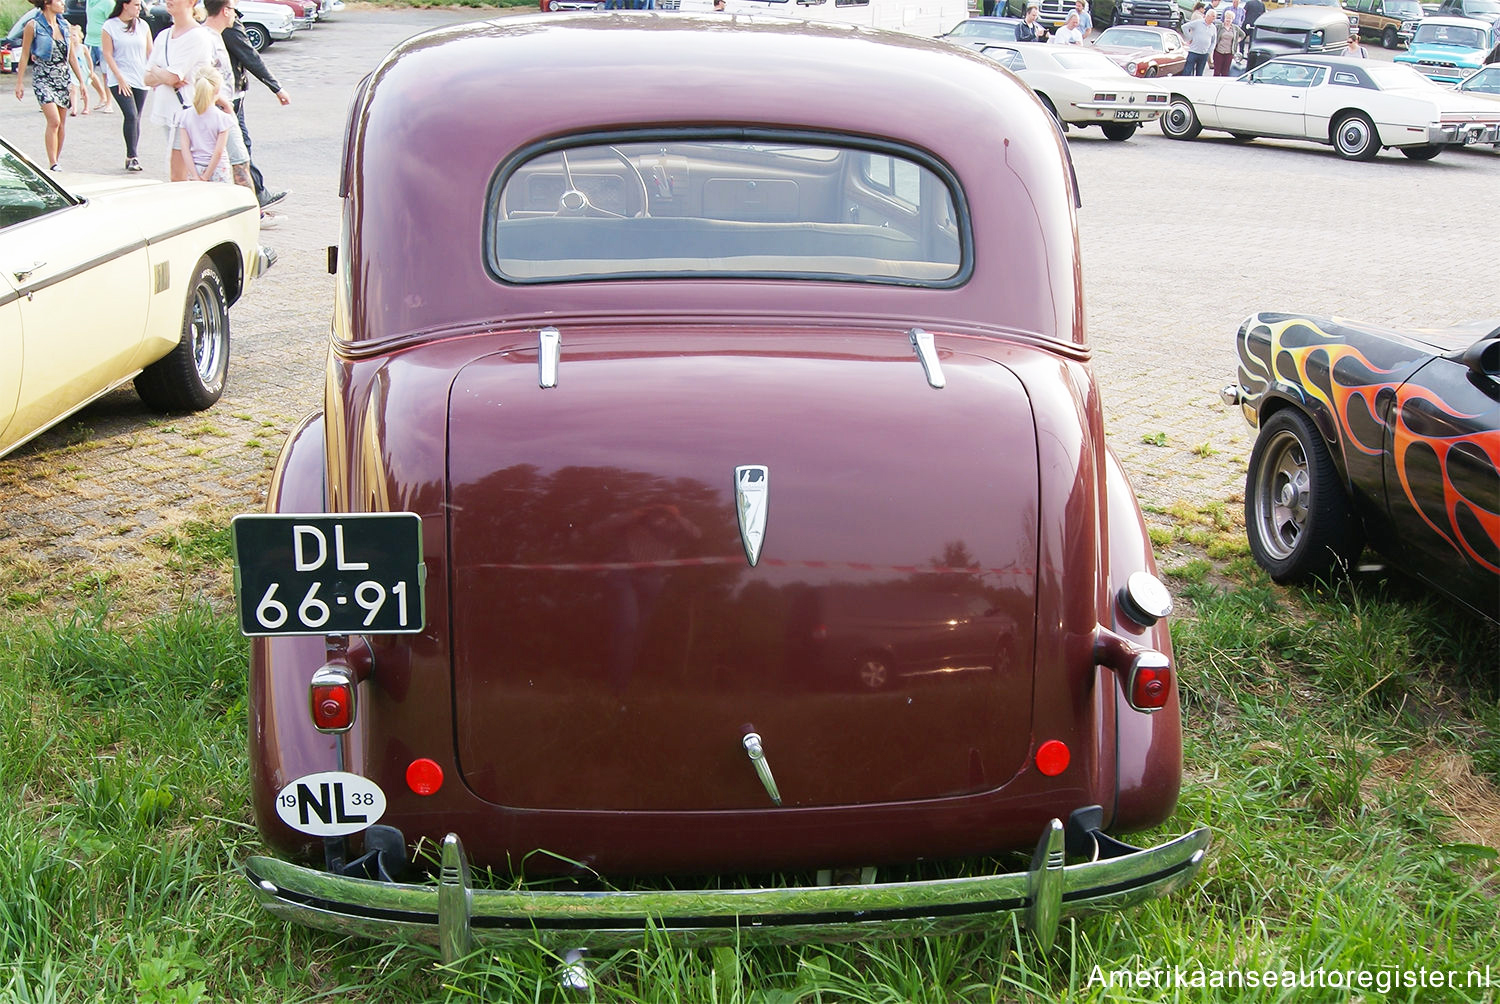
{"type": "Point", "coordinates": [1388, 38]}
{"type": "Point", "coordinates": [1051, 108]}
{"type": "Point", "coordinates": [1152, 70]}
{"type": "Point", "coordinates": [1355, 138]}
{"type": "Point", "coordinates": [1119, 131]}
{"type": "Point", "coordinates": [191, 377]}
{"type": "Point", "coordinates": [1179, 120]}
{"type": "Point", "coordinates": [260, 40]}
{"type": "Point", "coordinates": [1297, 515]}
{"type": "Point", "coordinates": [1426, 152]}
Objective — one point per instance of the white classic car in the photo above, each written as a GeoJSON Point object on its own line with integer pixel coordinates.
{"type": "Point", "coordinates": [265, 23]}
{"type": "Point", "coordinates": [1081, 87]}
{"type": "Point", "coordinates": [107, 280]}
{"type": "Point", "coordinates": [1358, 106]}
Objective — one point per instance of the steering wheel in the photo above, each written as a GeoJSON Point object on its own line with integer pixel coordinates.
{"type": "Point", "coordinates": [575, 202]}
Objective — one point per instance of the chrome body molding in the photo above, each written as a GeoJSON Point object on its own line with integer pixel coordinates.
{"type": "Point", "coordinates": [456, 916]}
{"type": "Point", "coordinates": [757, 754]}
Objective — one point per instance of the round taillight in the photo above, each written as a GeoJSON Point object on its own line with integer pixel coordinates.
{"type": "Point", "coordinates": [424, 776]}
{"type": "Point", "coordinates": [1052, 757]}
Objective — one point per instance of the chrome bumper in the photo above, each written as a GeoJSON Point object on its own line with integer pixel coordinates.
{"type": "Point", "coordinates": [1465, 133]}
{"type": "Point", "coordinates": [455, 916]}
{"type": "Point", "coordinates": [261, 261]}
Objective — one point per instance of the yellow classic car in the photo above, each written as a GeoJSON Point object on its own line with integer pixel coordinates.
{"type": "Point", "coordinates": [105, 281]}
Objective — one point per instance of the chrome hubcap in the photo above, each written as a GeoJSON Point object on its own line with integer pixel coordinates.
{"type": "Point", "coordinates": [1354, 137]}
{"type": "Point", "coordinates": [208, 334]}
{"type": "Point", "coordinates": [1284, 496]}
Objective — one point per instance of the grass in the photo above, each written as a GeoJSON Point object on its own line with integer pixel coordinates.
{"type": "Point", "coordinates": [10, 12]}
{"type": "Point", "coordinates": [1343, 742]}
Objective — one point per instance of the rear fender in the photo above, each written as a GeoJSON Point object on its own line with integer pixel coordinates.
{"type": "Point", "coordinates": [283, 743]}
{"type": "Point", "coordinates": [1148, 746]}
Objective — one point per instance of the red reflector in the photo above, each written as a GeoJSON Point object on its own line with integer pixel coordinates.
{"type": "Point", "coordinates": [424, 776]}
{"type": "Point", "coordinates": [1150, 687]}
{"type": "Point", "coordinates": [1052, 757]}
{"type": "Point", "coordinates": [333, 707]}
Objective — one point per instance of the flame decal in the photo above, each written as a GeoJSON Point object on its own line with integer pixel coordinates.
{"type": "Point", "coordinates": [1328, 369]}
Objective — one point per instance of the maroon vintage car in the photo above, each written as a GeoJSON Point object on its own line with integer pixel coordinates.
{"type": "Point", "coordinates": [1143, 52]}
{"type": "Point", "coordinates": [652, 412]}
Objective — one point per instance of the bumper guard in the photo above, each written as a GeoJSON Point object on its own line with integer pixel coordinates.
{"type": "Point", "coordinates": [455, 916]}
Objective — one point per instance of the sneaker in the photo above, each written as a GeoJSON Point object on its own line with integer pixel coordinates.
{"type": "Point", "coordinates": [271, 198]}
{"type": "Point", "coordinates": [133, 164]}
{"type": "Point", "coordinates": [270, 221]}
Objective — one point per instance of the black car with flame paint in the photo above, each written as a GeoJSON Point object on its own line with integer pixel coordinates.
{"type": "Point", "coordinates": [1379, 436]}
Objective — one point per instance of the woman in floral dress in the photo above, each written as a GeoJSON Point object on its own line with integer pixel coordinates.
{"type": "Point", "coordinates": [45, 46]}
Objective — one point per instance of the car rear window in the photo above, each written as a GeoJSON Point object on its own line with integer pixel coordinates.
{"type": "Point", "coordinates": [726, 206]}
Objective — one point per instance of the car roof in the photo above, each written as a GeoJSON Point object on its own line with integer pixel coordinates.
{"type": "Point", "coordinates": [1320, 59]}
{"type": "Point", "coordinates": [1302, 15]}
{"type": "Point", "coordinates": [1457, 22]}
{"type": "Point", "coordinates": [420, 165]}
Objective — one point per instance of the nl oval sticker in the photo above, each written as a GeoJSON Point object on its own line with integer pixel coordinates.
{"type": "Point", "coordinates": [330, 804]}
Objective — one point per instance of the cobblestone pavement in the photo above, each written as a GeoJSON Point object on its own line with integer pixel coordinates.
{"type": "Point", "coordinates": [1180, 242]}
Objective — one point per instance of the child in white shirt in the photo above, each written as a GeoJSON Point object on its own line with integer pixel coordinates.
{"type": "Point", "coordinates": [203, 130]}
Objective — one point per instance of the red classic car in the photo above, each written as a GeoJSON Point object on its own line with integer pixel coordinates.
{"type": "Point", "coordinates": [648, 419]}
{"type": "Point", "coordinates": [1143, 52]}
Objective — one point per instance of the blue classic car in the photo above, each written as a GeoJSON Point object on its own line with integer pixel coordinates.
{"type": "Point", "coordinates": [1448, 48]}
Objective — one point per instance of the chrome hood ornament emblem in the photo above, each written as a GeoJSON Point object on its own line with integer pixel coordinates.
{"type": "Point", "coordinates": [752, 486]}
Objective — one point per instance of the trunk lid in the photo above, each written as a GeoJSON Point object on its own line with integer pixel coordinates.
{"type": "Point", "coordinates": [611, 643]}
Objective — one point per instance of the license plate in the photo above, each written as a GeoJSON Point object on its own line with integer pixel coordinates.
{"type": "Point", "coordinates": [359, 573]}
{"type": "Point", "coordinates": [1151, 24]}
{"type": "Point", "coordinates": [1130, 113]}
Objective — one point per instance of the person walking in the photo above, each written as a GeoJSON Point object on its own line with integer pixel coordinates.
{"type": "Point", "coordinates": [1201, 35]}
{"type": "Point", "coordinates": [125, 45]}
{"type": "Point", "coordinates": [1253, 10]}
{"type": "Point", "coordinates": [98, 13]}
{"type": "Point", "coordinates": [223, 17]}
{"type": "Point", "coordinates": [45, 47]}
{"type": "Point", "coordinates": [1224, 46]}
{"type": "Point", "coordinates": [1353, 49]}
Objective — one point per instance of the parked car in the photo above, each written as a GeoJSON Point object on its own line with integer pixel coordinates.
{"type": "Point", "coordinates": [655, 371]}
{"type": "Point", "coordinates": [1143, 52]}
{"type": "Point", "coordinates": [168, 259]}
{"type": "Point", "coordinates": [1082, 88]}
{"type": "Point", "coordinates": [1053, 14]}
{"type": "Point", "coordinates": [1480, 10]}
{"type": "Point", "coordinates": [1391, 21]}
{"type": "Point", "coordinates": [1484, 82]}
{"type": "Point", "coordinates": [266, 21]}
{"type": "Point", "coordinates": [1369, 434]}
{"type": "Point", "coordinates": [1348, 12]}
{"type": "Point", "coordinates": [1447, 49]}
{"type": "Point", "coordinates": [1151, 13]}
{"type": "Point", "coordinates": [1357, 106]}
{"type": "Point", "coordinates": [1299, 29]}
{"type": "Point", "coordinates": [977, 32]}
